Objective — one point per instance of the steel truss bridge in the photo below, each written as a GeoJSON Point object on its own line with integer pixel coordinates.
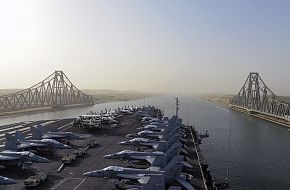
{"type": "Point", "coordinates": [256, 97]}
{"type": "Point", "coordinates": [55, 91]}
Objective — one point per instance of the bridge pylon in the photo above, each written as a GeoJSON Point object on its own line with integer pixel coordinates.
{"type": "Point", "coordinates": [54, 91]}
{"type": "Point", "coordinates": [256, 96]}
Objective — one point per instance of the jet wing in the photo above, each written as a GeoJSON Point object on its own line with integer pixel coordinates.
{"type": "Point", "coordinates": [51, 136]}
{"type": "Point", "coordinates": [160, 136]}
{"type": "Point", "coordinates": [131, 176]}
{"type": "Point", "coordinates": [184, 151]}
{"type": "Point", "coordinates": [8, 158]}
{"type": "Point", "coordinates": [149, 159]}
{"type": "Point", "coordinates": [182, 140]}
{"type": "Point", "coordinates": [139, 157]}
{"type": "Point", "coordinates": [155, 146]}
{"type": "Point", "coordinates": [141, 178]}
{"type": "Point", "coordinates": [154, 168]}
{"type": "Point", "coordinates": [29, 145]}
{"type": "Point", "coordinates": [155, 182]}
{"type": "Point", "coordinates": [186, 164]}
{"type": "Point", "coordinates": [184, 183]}
{"type": "Point", "coordinates": [144, 179]}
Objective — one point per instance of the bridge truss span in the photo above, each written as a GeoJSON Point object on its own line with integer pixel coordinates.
{"type": "Point", "coordinates": [256, 96]}
{"type": "Point", "coordinates": [54, 91]}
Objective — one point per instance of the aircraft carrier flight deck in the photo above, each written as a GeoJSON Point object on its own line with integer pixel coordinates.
{"type": "Point", "coordinates": [73, 168]}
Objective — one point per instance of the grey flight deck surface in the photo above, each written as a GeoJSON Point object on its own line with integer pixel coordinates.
{"type": "Point", "coordinates": [71, 176]}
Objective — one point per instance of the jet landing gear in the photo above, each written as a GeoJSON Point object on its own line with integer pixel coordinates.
{"type": "Point", "coordinates": [25, 165]}
{"type": "Point", "coordinates": [116, 184]}
{"type": "Point", "coordinates": [119, 184]}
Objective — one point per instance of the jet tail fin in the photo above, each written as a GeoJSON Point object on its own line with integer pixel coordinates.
{"type": "Point", "coordinates": [36, 135]}
{"type": "Point", "coordinates": [19, 135]}
{"type": "Point", "coordinates": [173, 151]}
{"type": "Point", "coordinates": [159, 161]}
{"type": "Point", "coordinates": [40, 128]}
{"type": "Point", "coordinates": [162, 147]}
{"type": "Point", "coordinates": [174, 166]}
{"type": "Point", "coordinates": [172, 140]}
{"type": "Point", "coordinates": [10, 142]}
{"type": "Point", "coordinates": [184, 183]}
{"type": "Point", "coordinates": [154, 182]}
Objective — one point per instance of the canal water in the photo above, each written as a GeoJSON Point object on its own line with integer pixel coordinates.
{"type": "Point", "coordinates": [255, 152]}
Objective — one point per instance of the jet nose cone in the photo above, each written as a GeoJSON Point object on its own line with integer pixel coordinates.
{"type": "Point", "coordinates": [64, 146]}
{"type": "Point", "coordinates": [44, 160]}
{"type": "Point", "coordinates": [92, 174]}
{"type": "Point", "coordinates": [8, 181]}
{"type": "Point", "coordinates": [107, 156]}
{"type": "Point", "coordinates": [88, 174]}
{"type": "Point", "coordinates": [67, 146]}
{"type": "Point", "coordinates": [41, 159]}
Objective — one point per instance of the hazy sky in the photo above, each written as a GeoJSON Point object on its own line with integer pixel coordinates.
{"type": "Point", "coordinates": [171, 46]}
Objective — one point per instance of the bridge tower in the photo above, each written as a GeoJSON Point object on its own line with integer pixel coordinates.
{"type": "Point", "coordinates": [255, 95]}
{"type": "Point", "coordinates": [54, 91]}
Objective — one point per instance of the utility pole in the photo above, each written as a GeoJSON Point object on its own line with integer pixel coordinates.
{"type": "Point", "coordinates": [177, 106]}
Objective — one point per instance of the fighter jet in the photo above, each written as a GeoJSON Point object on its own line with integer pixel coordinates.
{"type": "Point", "coordinates": [107, 119]}
{"type": "Point", "coordinates": [163, 126]}
{"type": "Point", "coordinates": [164, 135]}
{"type": "Point", "coordinates": [20, 143]}
{"type": "Point", "coordinates": [154, 182]}
{"type": "Point", "coordinates": [6, 181]}
{"type": "Point", "coordinates": [20, 158]}
{"type": "Point", "coordinates": [156, 159]}
{"type": "Point", "coordinates": [114, 172]}
{"type": "Point", "coordinates": [159, 128]}
{"type": "Point", "coordinates": [144, 142]}
{"type": "Point", "coordinates": [160, 123]}
{"type": "Point", "coordinates": [158, 182]}
{"type": "Point", "coordinates": [152, 127]}
{"type": "Point", "coordinates": [88, 121]}
{"type": "Point", "coordinates": [146, 119]}
{"type": "Point", "coordinates": [157, 145]}
{"type": "Point", "coordinates": [129, 154]}
{"type": "Point", "coordinates": [159, 162]}
{"type": "Point", "coordinates": [172, 172]}
{"type": "Point", "coordinates": [147, 133]}
{"type": "Point", "coordinates": [125, 111]}
{"type": "Point", "coordinates": [39, 133]}
{"type": "Point", "coordinates": [137, 155]}
{"type": "Point", "coordinates": [150, 120]}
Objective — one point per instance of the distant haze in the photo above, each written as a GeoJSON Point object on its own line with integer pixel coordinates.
{"type": "Point", "coordinates": [147, 45]}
